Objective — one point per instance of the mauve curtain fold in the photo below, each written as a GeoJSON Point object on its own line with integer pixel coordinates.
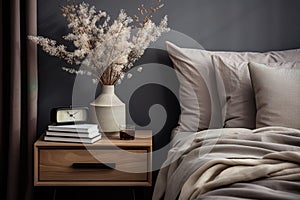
{"type": "Point", "coordinates": [18, 104]}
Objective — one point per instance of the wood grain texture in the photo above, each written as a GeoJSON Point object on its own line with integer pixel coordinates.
{"type": "Point", "coordinates": [56, 165]}
{"type": "Point", "coordinates": [133, 159]}
{"type": "Point", "coordinates": [143, 138]}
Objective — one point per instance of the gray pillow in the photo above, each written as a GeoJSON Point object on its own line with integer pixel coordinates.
{"type": "Point", "coordinates": [277, 94]}
{"type": "Point", "coordinates": [234, 84]}
{"type": "Point", "coordinates": [198, 96]}
{"type": "Point", "coordinates": [235, 90]}
{"type": "Point", "coordinates": [201, 107]}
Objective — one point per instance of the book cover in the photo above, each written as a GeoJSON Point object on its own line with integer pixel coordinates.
{"type": "Point", "coordinates": [87, 128]}
{"type": "Point", "coordinates": [73, 134]}
{"type": "Point", "coordinates": [71, 139]}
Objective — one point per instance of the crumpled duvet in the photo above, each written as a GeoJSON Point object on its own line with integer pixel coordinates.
{"type": "Point", "coordinates": [232, 163]}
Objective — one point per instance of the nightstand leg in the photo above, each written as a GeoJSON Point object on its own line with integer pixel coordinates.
{"type": "Point", "coordinates": [54, 194]}
{"type": "Point", "coordinates": [133, 193]}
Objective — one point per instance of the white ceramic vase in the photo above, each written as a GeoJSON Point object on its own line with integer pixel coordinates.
{"type": "Point", "coordinates": [110, 110]}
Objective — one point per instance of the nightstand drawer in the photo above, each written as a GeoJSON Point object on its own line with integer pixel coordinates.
{"type": "Point", "coordinates": [84, 165]}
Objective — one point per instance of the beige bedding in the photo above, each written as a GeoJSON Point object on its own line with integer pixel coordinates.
{"type": "Point", "coordinates": [232, 164]}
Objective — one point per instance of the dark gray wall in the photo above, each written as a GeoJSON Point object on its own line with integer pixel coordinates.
{"type": "Point", "coordinates": [237, 25]}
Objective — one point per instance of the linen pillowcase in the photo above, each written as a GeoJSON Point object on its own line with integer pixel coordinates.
{"type": "Point", "coordinates": [198, 95]}
{"type": "Point", "coordinates": [234, 85]}
{"type": "Point", "coordinates": [235, 89]}
{"type": "Point", "coordinates": [277, 94]}
{"type": "Point", "coordinates": [197, 90]}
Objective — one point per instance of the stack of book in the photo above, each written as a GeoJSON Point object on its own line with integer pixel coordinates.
{"type": "Point", "coordinates": [83, 133]}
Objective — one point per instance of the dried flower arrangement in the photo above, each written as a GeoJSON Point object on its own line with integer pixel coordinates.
{"type": "Point", "coordinates": [104, 50]}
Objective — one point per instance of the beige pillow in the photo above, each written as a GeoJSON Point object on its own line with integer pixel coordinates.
{"type": "Point", "coordinates": [277, 94]}
{"type": "Point", "coordinates": [198, 91]}
{"type": "Point", "coordinates": [235, 89]}
{"type": "Point", "coordinates": [234, 84]}
{"type": "Point", "coordinates": [198, 96]}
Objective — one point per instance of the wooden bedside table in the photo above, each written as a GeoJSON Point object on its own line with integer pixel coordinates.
{"type": "Point", "coordinates": [108, 162]}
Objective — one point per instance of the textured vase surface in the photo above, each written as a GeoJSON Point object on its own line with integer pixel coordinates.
{"type": "Point", "coordinates": [110, 110]}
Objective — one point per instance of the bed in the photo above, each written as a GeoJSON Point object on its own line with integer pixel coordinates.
{"type": "Point", "coordinates": [238, 135]}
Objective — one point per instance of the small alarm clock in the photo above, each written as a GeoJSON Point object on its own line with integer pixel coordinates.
{"type": "Point", "coordinates": [69, 115]}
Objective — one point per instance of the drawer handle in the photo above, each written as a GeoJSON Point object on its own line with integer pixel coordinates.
{"type": "Point", "coordinates": [94, 165]}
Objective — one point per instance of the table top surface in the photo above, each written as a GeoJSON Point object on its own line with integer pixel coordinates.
{"type": "Point", "coordinates": [142, 138]}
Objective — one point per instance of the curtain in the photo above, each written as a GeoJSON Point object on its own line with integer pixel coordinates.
{"type": "Point", "coordinates": [18, 102]}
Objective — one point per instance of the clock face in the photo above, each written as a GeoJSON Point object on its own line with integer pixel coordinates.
{"type": "Point", "coordinates": [71, 115]}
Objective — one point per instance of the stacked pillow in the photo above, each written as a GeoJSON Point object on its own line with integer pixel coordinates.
{"type": "Point", "coordinates": [277, 94]}
{"type": "Point", "coordinates": [197, 89]}
{"type": "Point", "coordinates": [215, 87]}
